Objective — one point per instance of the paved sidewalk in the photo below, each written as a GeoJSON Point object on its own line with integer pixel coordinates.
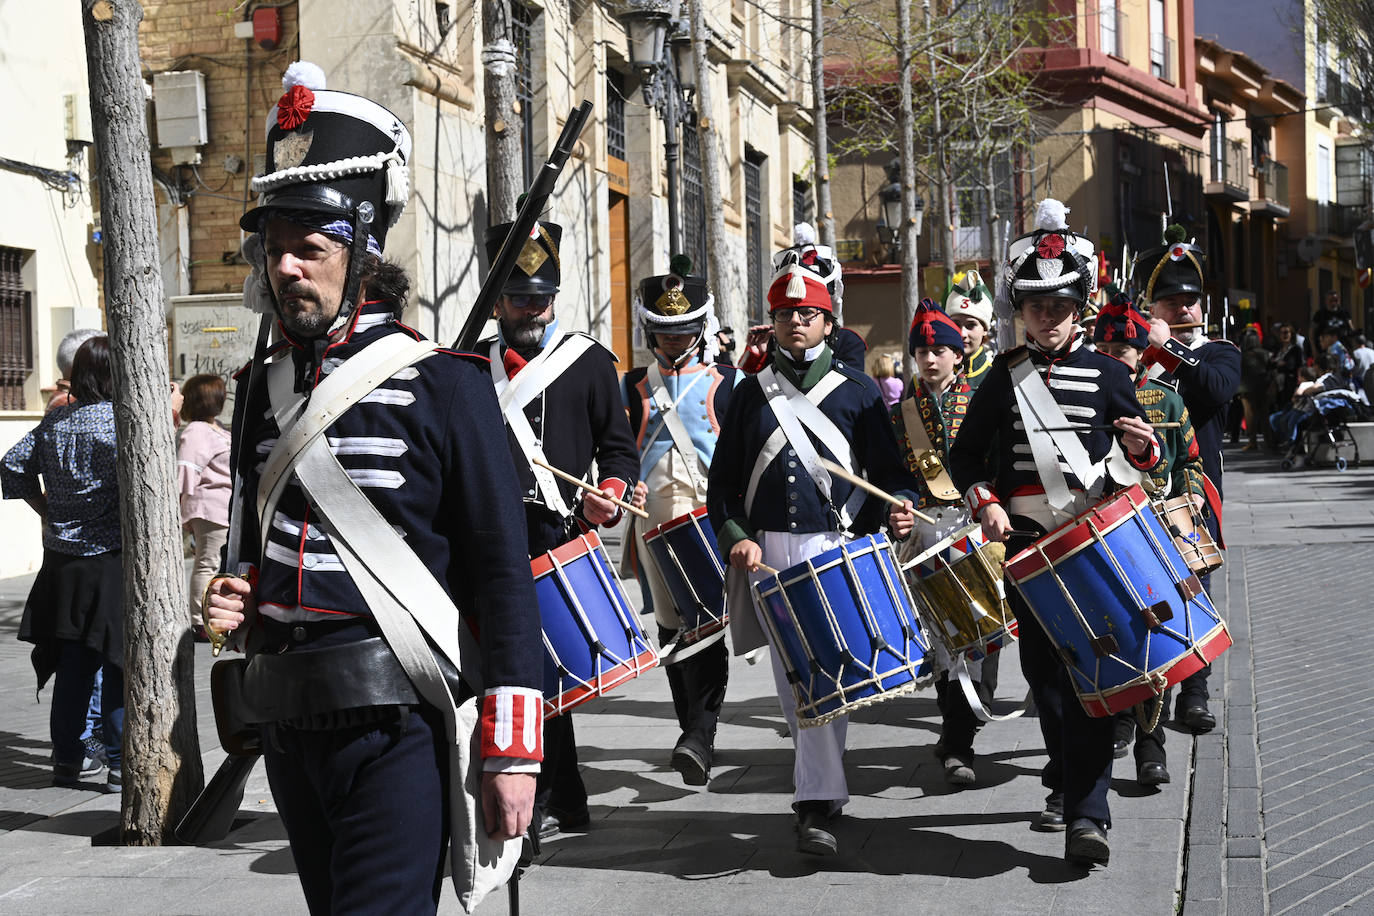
{"type": "Point", "coordinates": [909, 844]}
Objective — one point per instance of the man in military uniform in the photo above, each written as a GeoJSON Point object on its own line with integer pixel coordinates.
{"type": "Point", "coordinates": [997, 461]}
{"type": "Point", "coordinates": [766, 507]}
{"type": "Point", "coordinates": [1207, 374]}
{"type": "Point", "coordinates": [561, 401]}
{"type": "Point", "coordinates": [938, 400]}
{"type": "Point", "coordinates": [355, 741]}
{"type": "Point", "coordinates": [1123, 332]}
{"type": "Point", "coordinates": [675, 408]}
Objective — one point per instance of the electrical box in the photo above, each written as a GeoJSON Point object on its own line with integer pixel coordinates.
{"type": "Point", "coordinates": [179, 101]}
{"type": "Point", "coordinates": [77, 116]}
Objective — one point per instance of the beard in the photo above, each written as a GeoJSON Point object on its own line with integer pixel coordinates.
{"type": "Point", "coordinates": [1188, 336]}
{"type": "Point", "coordinates": [526, 332]}
{"type": "Point", "coordinates": [306, 317]}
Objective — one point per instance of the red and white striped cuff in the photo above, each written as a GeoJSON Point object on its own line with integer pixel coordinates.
{"type": "Point", "coordinates": [513, 723]}
{"type": "Point", "coordinates": [978, 497]}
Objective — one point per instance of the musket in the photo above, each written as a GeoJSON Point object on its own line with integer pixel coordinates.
{"type": "Point", "coordinates": [535, 199]}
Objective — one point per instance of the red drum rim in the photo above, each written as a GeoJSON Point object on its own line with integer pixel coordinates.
{"type": "Point", "coordinates": [564, 554]}
{"type": "Point", "coordinates": [658, 530]}
{"type": "Point", "coordinates": [1099, 705]}
{"type": "Point", "coordinates": [1076, 534]}
{"type": "Point", "coordinates": [608, 680]}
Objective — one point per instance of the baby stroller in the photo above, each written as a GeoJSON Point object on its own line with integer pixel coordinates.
{"type": "Point", "coordinates": [1316, 430]}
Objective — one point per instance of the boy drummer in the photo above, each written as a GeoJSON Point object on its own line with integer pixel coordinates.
{"type": "Point", "coordinates": [767, 508]}
{"type": "Point", "coordinates": [1123, 332]}
{"type": "Point", "coordinates": [1018, 478]}
{"type": "Point", "coordinates": [675, 409]}
{"type": "Point", "coordinates": [938, 400]}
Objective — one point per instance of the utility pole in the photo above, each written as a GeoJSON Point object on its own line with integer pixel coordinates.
{"type": "Point", "coordinates": [162, 768]}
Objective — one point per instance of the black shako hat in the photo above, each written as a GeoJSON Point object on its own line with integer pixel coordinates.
{"type": "Point", "coordinates": [333, 153]}
{"type": "Point", "coordinates": [538, 270]}
{"type": "Point", "coordinates": [1174, 267]}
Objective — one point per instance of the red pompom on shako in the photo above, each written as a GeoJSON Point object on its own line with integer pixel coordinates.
{"type": "Point", "coordinates": [294, 107]}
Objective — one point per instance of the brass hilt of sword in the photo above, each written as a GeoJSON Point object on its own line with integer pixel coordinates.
{"type": "Point", "coordinates": [217, 637]}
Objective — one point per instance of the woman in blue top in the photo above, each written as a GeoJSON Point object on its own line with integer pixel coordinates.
{"type": "Point", "coordinates": [75, 612]}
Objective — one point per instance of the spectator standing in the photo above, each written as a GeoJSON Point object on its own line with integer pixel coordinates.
{"type": "Point", "coordinates": [1363, 354]}
{"type": "Point", "coordinates": [1330, 311]}
{"type": "Point", "coordinates": [1287, 361]}
{"type": "Point", "coordinates": [886, 376]}
{"type": "Point", "coordinates": [75, 611]}
{"type": "Point", "coordinates": [1256, 385]}
{"type": "Point", "coordinates": [203, 483]}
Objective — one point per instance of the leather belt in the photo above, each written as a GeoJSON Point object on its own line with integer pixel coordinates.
{"type": "Point", "coordinates": [304, 683]}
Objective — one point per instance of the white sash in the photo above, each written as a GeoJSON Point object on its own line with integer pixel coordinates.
{"type": "Point", "coordinates": [669, 418]}
{"type": "Point", "coordinates": [513, 395]}
{"type": "Point", "coordinates": [795, 410]}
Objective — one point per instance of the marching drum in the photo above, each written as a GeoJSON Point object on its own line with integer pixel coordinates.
{"type": "Point", "coordinates": [1189, 530]}
{"type": "Point", "coordinates": [958, 585]}
{"type": "Point", "coordinates": [592, 639]}
{"type": "Point", "coordinates": [845, 627]}
{"type": "Point", "coordinates": [685, 552]}
{"type": "Point", "coordinates": [1127, 615]}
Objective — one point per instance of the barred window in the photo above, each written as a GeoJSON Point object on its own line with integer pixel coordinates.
{"type": "Point", "coordinates": [615, 114]}
{"type": "Point", "coordinates": [522, 27]}
{"type": "Point", "coordinates": [753, 219]}
{"type": "Point", "coordinates": [693, 200]}
{"type": "Point", "coordinates": [801, 202]}
{"type": "Point", "coordinates": [16, 347]}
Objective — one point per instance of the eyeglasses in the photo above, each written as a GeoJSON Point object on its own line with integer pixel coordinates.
{"type": "Point", "coordinates": [807, 314]}
{"type": "Point", "coordinates": [531, 302]}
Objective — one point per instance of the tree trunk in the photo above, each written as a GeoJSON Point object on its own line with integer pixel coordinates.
{"type": "Point", "coordinates": [820, 137]}
{"type": "Point", "coordinates": [162, 766]}
{"type": "Point", "coordinates": [505, 170]}
{"type": "Point", "coordinates": [906, 150]}
{"type": "Point", "coordinates": [733, 310]}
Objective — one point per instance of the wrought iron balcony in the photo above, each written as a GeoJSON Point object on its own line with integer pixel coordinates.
{"type": "Point", "coordinates": [1271, 194]}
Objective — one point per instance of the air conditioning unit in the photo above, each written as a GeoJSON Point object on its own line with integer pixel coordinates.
{"type": "Point", "coordinates": [179, 103]}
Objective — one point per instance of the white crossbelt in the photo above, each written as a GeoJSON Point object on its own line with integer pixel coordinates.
{"type": "Point", "coordinates": [795, 410]}
{"type": "Point", "coordinates": [514, 395]}
{"type": "Point", "coordinates": [670, 419]}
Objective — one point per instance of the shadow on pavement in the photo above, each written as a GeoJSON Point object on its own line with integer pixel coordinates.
{"type": "Point", "coordinates": [706, 845]}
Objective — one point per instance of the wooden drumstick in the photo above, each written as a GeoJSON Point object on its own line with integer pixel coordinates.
{"type": "Point", "coordinates": [764, 567]}
{"type": "Point", "coordinates": [1187, 325]}
{"type": "Point", "coordinates": [579, 482]}
{"type": "Point", "coordinates": [1172, 424]}
{"type": "Point", "coordinates": [862, 484]}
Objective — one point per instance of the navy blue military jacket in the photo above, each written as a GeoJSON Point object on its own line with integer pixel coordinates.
{"type": "Point", "coordinates": [787, 499]}
{"type": "Point", "coordinates": [1207, 381]}
{"type": "Point", "coordinates": [1091, 387]}
{"type": "Point", "coordinates": [579, 418]}
{"type": "Point", "coordinates": [427, 449]}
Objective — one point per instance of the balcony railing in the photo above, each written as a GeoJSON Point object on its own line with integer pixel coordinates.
{"type": "Point", "coordinates": [1230, 175]}
{"type": "Point", "coordinates": [1338, 220]}
{"type": "Point", "coordinates": [1272, 179]}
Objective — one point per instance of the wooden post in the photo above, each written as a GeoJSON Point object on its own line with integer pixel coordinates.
{"type": "Point", "coordinates": [162, 766]}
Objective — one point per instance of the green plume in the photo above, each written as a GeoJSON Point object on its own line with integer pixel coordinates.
{"type": "Point", "coordinates": [1174, 234]}
{"type": "Point", "coordinates": [680, 265]}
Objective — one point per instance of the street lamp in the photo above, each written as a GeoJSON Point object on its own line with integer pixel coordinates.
{"type": "Point", "coordinates": [661, 53]}
{"type": "Point", "coordinates": [890, 212]}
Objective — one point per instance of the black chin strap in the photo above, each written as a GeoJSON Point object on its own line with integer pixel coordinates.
{"type": "Point", "coordinates": [362, 222]}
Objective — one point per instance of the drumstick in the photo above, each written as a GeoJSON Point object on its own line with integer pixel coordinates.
{"type": "Point", "coordinates": [764, 567]}
{"type": "Point", "coordinates": [579, 482]}
{"type": "Point", "coordinates": [1172, 424]}
{"type": "Point", "coordinates": [862, 484]}
{"type": "Point", "coordinates": [1187, 325]}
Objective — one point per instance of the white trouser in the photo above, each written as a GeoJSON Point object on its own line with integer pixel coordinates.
{"type": "Point", "coordinates": [818, 765]}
